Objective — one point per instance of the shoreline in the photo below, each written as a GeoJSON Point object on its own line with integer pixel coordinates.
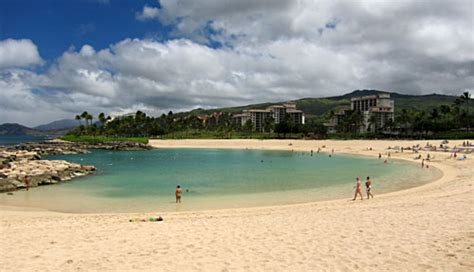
{"type": "Point", "coordinates": [428, 227]}
{"type": "Point", "coordinates": [209, 145]}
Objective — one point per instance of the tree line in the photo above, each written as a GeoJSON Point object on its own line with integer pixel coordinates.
{"type": "Point", "coordinates": [444, 118]}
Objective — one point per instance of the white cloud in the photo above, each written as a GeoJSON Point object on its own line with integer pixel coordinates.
{"type": "Point", "coordinates": [18, 53]}
{"type": "Point", "coordinates": [271, 51]}
{"type": "Point", "coordinates": [148, 13]}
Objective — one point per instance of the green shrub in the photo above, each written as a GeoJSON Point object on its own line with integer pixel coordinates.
{"type": "Point", "coordinates": [102, 139]}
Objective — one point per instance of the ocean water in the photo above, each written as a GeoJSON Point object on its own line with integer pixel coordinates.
{"type": "Point", "coordinates": [6, 140]}
{"type": "Point", "coordinates": [143, 181]}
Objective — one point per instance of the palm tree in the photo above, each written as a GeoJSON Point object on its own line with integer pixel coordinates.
{"type": "Point", "coordinates": [373, 123]}
{"type": "Point", "coordinates": [102, 118]}
{"type": "Point", "coordinates": [444, 109]}
{"type": "Point", "coordinates": [269, 124]}
{"type": "Point", "coordinates": [90, 118]}
{"type": "Point", "coordinates": [248, 126]}
{"type": "Point", "coordinates": [356, 120]}
{"type": "Point", "coordinates": [78, 118]}
{"type": "Point", "coordinates": [84, 116]}
{"type": "Point", "coordinates": [465, 97]}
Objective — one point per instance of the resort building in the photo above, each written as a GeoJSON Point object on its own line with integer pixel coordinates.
{"type": "Point", "coordinates": [277, 112]}
{"type": "Point", "coordinates": [214, 119]}
{"type": "Point", "coordinates": [337, 119]}
{"type": "Point", "coordinates": [378, 112]}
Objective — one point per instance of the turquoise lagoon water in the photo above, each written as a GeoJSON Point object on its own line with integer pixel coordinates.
{"type": "Point", "coordinates": [142, 181]}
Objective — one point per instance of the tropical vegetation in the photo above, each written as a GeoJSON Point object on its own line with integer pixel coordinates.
{"type": "Point", "coordinates": [448, 120]}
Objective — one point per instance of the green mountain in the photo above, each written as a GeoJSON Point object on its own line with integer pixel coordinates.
{"type": "Point", "coordinates": [17, 129]}
{"type": "Point", "coordinates": [13, 129]}
{"type": "Point", "coordinates": [64, 124]}
{"type": "Point", "coordinates": [320, 106]}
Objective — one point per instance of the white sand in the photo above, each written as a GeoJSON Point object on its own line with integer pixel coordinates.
{"type": "Point", "coordinates": [425, 228]}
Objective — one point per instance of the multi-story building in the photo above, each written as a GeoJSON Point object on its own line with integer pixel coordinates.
{"type": "Point", "coordinates": [277, 112]}
{"type": "Point", "coordinates": [378, 112]}
{"type": "Point", "coordinates": [336, 120]}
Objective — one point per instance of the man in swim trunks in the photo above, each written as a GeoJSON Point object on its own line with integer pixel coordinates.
{"type": "Point", "coordinates": [368, 187]}
{"type": "Point", "coordinates": [178, 194]}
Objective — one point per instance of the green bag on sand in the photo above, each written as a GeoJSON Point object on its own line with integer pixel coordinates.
{"type": "Point", "coordinates": [155, 219]}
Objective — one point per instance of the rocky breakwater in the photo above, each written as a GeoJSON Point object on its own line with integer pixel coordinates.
{"type": "Point", "coordinates": [50, 148]}
{"type": "Point", "coordinates": [58, 147]}
{"type": "Point", "coordinates": [119, 146]}
{"type": "Point", "coordinates": [25, 169]}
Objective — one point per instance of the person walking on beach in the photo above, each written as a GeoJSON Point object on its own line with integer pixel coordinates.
{"type": "Point", "coordinates": [178, 194]}
{"type": "Point", "coordinates": [368, 187]}
{"type": "Point", "coordinates": [358, 189]}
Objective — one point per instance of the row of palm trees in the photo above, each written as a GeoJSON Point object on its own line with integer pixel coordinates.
{"type": "Point", "coordinates": [443, 118]}
{"type": "Point", "coordinates": [89, 118]}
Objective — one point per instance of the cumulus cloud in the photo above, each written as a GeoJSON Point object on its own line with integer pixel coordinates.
{"type": "Point", "coordinates": [404, 46]}
{"type": "Point", "coordinates": [148, 13]}
{"type": "Point", "coordinates": [267, 51]}
{"type": "Point", "coordinates": [18, 53]}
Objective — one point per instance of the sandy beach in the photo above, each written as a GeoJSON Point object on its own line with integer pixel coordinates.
{"type": "Point", "coordinates": [430, 227]}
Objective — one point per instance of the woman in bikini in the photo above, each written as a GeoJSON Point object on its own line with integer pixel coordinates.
{"type": "Point", "coordinates": [178, 194]}
{"type": "Point", "coordinates": [358, 190]}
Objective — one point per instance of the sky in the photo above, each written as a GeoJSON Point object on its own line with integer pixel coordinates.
{"type": "Point", "coordinates": [59, 58]}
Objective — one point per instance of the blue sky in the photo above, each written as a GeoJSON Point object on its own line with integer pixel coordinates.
{"type": "Point", "coordinates": [59, 58]}
{"type": "Point", "coordinates": [56, 25]}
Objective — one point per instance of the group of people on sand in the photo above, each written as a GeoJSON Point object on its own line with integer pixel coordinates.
{"type": "Point", "coordinates": [358, 188]}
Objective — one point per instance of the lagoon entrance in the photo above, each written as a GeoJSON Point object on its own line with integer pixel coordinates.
{"type": "Point", "coordinates": [144, 181]}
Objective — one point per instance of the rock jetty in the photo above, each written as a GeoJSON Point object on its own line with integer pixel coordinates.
{"type": "Point", "coordinates": [25, 160]}
{"type": "Point", "coordinates": [25, 169]}
{"type": "Point", "coordinates": [58, 147]}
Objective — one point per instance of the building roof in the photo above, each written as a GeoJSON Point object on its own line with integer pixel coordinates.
{"type": "Point", "coordinates": [258, 110]}
{"type": "Point", "coordinates": [294, 111]}
{"type": "Point", "coordinates": [237, 115]}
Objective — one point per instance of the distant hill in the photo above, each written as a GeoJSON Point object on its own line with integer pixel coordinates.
{"type": "Point", "coordinates": [64, 124]}
{"type": "Point", "coordinates": [17, 130]}
{"type": "Point", "coordinates": [12, 129]}
{"type": "Point", "coordinates": [311, 106]}
{"type": "Point", "coordinates": [320, 106]}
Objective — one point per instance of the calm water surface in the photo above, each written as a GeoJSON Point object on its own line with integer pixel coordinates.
{"type": "Point", "coordinates": [142, 181]}
{"type": "Point", "coordinates": [18, 139]}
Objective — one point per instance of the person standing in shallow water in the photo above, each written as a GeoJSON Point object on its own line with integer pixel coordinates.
{"type": "Point", "coordinates": [358, 189]}
{"type": "Point", "coordinates": [27, 182]}
{"type": "Point", "coordinates": [368, 188]}
{"type": "Point", "coordinates": [178, 194]}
